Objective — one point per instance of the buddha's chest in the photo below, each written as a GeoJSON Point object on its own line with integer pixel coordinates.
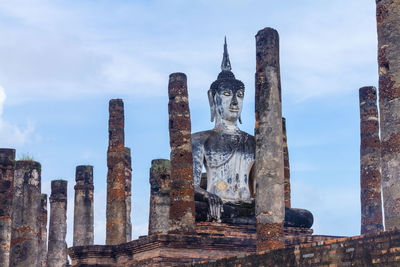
{"type": "Point", "coordinates": [228, 160]}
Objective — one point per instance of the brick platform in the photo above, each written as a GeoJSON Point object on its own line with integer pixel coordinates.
{"type": "Point", "coordinates": [376, 249]}
{"type": "Point", "coordinates": [211, 241]}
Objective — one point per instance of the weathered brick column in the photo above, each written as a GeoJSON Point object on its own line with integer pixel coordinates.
{"type": "Point", "coordinates": [370, 174]}
{"type": "Point", "coordinates": [182, 209]}
{"type": "Point", "coordinates": [57, 252]}
{"type": "Point", "coordinates": [388, 23]}
{"type": "Point", "coordinates": [286, 165]}
{"type": "Point", "coordinates": [26, 216]}
{"type": "Point", "coordinates": [269, 166]}
{"type": "Point", "coordinates": [128, 192]}
{"type": "Point", "coordinates": [83, 206]}
{"type": "Point", "coordinates": [43, 231]}
{"type": "Point", "coordinates": [7, 167]}
{"type": "Point", "coordinates": [160, 172]}
{"type": "Point", "coordinates": [116, 195]}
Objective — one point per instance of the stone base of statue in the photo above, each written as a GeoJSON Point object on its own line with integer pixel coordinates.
{"type": "Point", "coordinates": [211, 241]}
{"type": "Point", "coordinates": [244, 213]}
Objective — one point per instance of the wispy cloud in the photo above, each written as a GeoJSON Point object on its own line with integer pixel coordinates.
{"type": "Point", "coordinates": [11, 135]}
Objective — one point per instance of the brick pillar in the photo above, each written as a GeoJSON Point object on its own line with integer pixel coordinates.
{"type": "Point", "coordinates": [116, 195]}
{"type": "Point", "coordinates": [269, 166]}
{"type": "Point", "coordinates": [43, 231]}
{"type": "Point", "coordinates": [388, 23]}
{"type": "Point", "coordinates": [83, 206]}
{"type": "Point", "coordinates": [182, 209]}
{"type": "Point", "coordinates": [7, 167]}
{"type": "Point", "coordinates": [57, 249]}
{"type": "Point", "coordinates": [286, 185]}
{"type": "Point", "coordinates": [370, 174]}
{"type": "Point", "coordinates": [26, 214]}
{"type": "Point", "coordinates": [128, 191]}
{"type": "Point", "coordinates": [160, 172]}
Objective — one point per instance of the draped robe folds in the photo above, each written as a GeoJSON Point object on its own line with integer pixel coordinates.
{"type": "Point", "coordinates": [228, 159]}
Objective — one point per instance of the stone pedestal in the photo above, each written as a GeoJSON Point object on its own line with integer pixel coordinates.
{"type": "Point", "coordinates": [83, 206]}
{"type": "Point", "coordinates": [269, 165]}
{"type": "Point", "coordinates": [26, 216]}
{"type": "Point", "coordinates": [182, 209]}
{"type": "Point", "coordinates": [7, 167]}
{"type": "Point", "coordinates": [57, 249]}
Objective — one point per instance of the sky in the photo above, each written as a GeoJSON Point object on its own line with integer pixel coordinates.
{"type": "Point", "coordinates": [62, 61]}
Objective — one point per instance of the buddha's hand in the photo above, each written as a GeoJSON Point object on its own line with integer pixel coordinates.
{"type": "Point", "coordinates": [215, 205]}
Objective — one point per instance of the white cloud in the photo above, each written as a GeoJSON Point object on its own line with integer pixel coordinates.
{"type": "Point", "coordinates": [10, 134]}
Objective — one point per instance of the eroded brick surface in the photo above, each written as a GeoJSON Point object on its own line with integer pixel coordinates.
{"type": "Point", "coordinates": [286, 165]}
{"type": "Point", "coordinates": [128, 192]}
{"type": "Point", "coordinates": [160, 173]}
{"type": "Point", "coordinates": [43, 231]}
{"type": "Point", "coordinates": [7, 166]}
{"type": "Point", "coordinates": [388, 26]}
{"type": "Point", "coordinates": [269, 163]}
{"type": "Point", "coordinates": [182, 208]}
{"type": "Point", "coordinates": [83, 206]}
{"type": "Point", "coordinates": [57, 247]}
{"type": "Point", "coordinates": [26, 214]}
{"type": "Point", "coordinates": [370, 175]}
{"type": "Point", "coordinates": [116, 212]}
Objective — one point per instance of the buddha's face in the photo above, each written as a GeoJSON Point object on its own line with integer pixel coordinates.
{"type": "Point", "coordinates": [229, 101]}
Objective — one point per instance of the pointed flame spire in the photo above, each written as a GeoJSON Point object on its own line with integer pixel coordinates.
{"type": "Point", "coordinates": [226, 64]}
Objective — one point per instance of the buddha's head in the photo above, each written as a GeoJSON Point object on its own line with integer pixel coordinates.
{"type": "Point", "coordinates": [226, 93]}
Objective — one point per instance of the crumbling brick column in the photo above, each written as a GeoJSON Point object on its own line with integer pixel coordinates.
{"type": "Point", "coordinates": [7, 167]}
{"type": "Point", "coordinates": [370, 174]}
{"type": "Point", "coordinates": [269, 166]}
{"type": "Point", "coordinates": [83, 206]}
{"type": "Point", "coordinates": [26, 214]}
{"type": "Point", "coordinates": [182, 208]}
{"type": "Point", "coordinates": [388, 23]}
{"type": "Point", "coordinates": [286, 185]}
{"type": "Point", "coordinates": [128, 192]}
{"type": "Point", "coordinates": [43, 231]}
{"type": "Point", "coordinates": [116, 195]}
{"type": "Point", "coordinates": [160, 172]}
{"type": "Point", "coordinates": [57, 250]}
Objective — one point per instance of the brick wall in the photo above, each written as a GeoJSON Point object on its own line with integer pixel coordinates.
{"type": "Point", "coordinates": [379, 249]}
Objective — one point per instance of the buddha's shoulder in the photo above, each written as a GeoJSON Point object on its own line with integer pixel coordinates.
{"type": "Point", "coordinates": [250, 138]}
{"type": "Point", "coordinates": [201, 137]}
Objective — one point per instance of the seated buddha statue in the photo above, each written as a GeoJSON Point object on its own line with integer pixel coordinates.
{"type": "Point", "coordinates": [227, 154]}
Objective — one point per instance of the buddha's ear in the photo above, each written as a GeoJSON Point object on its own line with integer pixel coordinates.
{"type": "Point", "coordinates": [212, 106]}
{"type": "Point", "coordinates": [240, 119]}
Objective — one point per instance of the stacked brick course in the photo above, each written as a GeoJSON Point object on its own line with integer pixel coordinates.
{"type": "Point", "coordinates": [83, 206]}
{"type": "Point", "coordinates": [269, 164]}
{"type": "Point", "coordinates": [375, 249]}
{"type": "Point", "coordinates": [286, 186]}
{"type": "Point", "coordinates": [388, 24]}
{"type": "Point", "coordinates": [43, 232]}
{"type": "Point", "coordinates": [26, 214]}
{"type": "Point", "coordinates": [116, 179]}
{"type": "Point", "coordinates": [370, 174]}
{"type": "Point", "coordinates": [128, 193]}
{"type": "Point", "coordinates": [160, 172]}
{"type": "Point", "coordinates": [182, 208]}
{"type": "Point", "coordinates": [7, 166]}
{"type": "Point", "coordinates": [57, 248]}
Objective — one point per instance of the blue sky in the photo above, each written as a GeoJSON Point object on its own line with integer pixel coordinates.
{"type": "Point", "coordinates": [61, 62]}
